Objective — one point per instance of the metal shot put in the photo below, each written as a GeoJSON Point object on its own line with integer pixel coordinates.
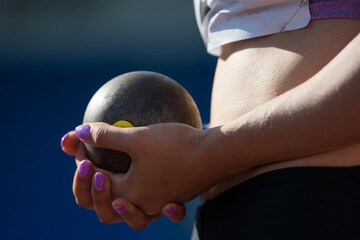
{"type": "Point", "coordinates": [137, 99]}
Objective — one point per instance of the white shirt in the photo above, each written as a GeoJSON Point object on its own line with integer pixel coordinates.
{"type": "Point", "coordinates": [224, 21]}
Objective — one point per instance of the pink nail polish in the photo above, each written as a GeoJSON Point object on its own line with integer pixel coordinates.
{"type": "Point", "coordinates": [83, 132]}
{"type": "Point", "coordinates": [99, 181]}
{"type": "Point", "coordinates": [169, 212]}
{"type": "Point", "coordinates": [63, 139]}
{"type": "Point", "coordinates": [120, 209]}
{"type": "Point", "coordinates": [85, 168]}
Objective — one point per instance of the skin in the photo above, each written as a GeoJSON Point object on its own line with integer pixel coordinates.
{"type": "Point", "coordinates": [254, 74]}
{"type": "Point", "coordinates": [285, 100]}
{"type": "Point", "coordinates": [102, 202]}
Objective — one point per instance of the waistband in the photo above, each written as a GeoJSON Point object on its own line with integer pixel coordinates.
{"type": "Point", "coordinates": [286, 202]}
{"type": "Point", "coordinates": [288, 179]}
{"type": "Point", "coordinates": [325, 9]}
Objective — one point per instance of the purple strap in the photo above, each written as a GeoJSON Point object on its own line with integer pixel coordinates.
{"type": "Point", "coordinates": [321, 9]}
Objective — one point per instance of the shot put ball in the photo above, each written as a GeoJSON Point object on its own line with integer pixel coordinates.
{"type": "Point", "coordinates": [137, 99]}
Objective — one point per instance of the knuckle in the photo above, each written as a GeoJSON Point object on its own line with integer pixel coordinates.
{"type": "Point", "coordinates": [83, 204]}
{"type": "Point", "coordinates": [137, 140]}
{"type": "Point", "coordinates": [140, 226]}
{"type": "Point", "coordinates": [150, 209]}
{"type": "Point", "coordinates": [74, 190]}
{"type": "Point", "coordinates": [135, 197]}
{"type": "Point", "coordinates": [99, 135]}
{"type": "Point", "coordinates": [151, 212]}
{"type": "Point", "coordinates": [106, 220]}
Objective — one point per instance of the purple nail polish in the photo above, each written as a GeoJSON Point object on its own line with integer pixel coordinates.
{"type": "Point", "coordinates": [63, 139]}
{"type": "Point", "coordinates": [85, 168]}
{"type": "Point", "coordinates": [120, 209]}
{"type": "Point", "coordinates": [99, 181]}
{"type": "Point", "coordinates": [169, 212]}
{"type": "Point", "coordinates": [83, 131]}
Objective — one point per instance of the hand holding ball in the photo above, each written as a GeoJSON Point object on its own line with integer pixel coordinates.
{"type": "Point", "coordinates": [137, 99]}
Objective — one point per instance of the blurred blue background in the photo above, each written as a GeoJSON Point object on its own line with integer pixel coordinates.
{"type": "Point", "coordinates": [54, 55]}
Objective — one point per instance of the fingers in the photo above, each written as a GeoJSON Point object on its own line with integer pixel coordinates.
{"type": "Point", "coordinates": [102, 199]}
{"type": "Point", "coordinates": [105, 135]}
{"type": "Point", "coordinates": [82, 184]}
{"type": "Point", "coordinates": [119, 210]}
{"type": "Point", "coordinates": [80, 154]}
{"type": "Point", "coordinates": [69, 143]}
{"type": "Point", "coordinates": [174, 211]}
{"type": "Point", "coordinates": [93, 191]}
{"type": "Point", "coordinates": [133, 216]}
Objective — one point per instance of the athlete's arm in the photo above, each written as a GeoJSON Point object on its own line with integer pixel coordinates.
{"type": "Point", "coordinates": [319, 115]}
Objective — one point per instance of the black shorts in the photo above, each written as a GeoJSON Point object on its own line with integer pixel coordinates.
{"type": "Point", "coordinates": [292, 203]}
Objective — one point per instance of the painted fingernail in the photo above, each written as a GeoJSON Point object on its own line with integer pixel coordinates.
{"type": "Point", "coordinates": [83, 132]}
{"type": "Point", "coordinates": [85, 168]}
{"type": "Point", "coordinates": [120, 209]}
{"type": "Point", "coordinates": [99, 181]}
{"type": "Point", "coordinates": [63, 139]}
{"type": "Point", "coordinates": [169, 212]}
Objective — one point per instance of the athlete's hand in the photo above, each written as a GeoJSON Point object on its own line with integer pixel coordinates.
{"type": "Point", "coordinates": [92, 190]}
{"type": "Point", "coordinates": [167, 162]}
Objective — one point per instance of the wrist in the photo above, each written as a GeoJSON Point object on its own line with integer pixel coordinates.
{"type": "Point", "coordinates": [215, 155]}
{"type": "Point", "coordinates": [233, 147]}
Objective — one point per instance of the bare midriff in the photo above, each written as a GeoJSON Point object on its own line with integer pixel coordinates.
{"type": "Point", "coordinates": [249, 73]}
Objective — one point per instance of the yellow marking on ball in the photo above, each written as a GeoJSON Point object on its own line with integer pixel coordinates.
{"type": "Point", "coordinates": [123, 124]}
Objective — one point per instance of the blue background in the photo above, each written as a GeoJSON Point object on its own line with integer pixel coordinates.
{"type": "Point", "coordinates": [54, 55]}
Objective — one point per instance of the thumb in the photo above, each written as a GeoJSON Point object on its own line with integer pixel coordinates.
{"type": "Point", "coordinates": [107, 136]}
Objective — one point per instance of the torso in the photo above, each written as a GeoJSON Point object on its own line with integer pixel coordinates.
{"type": "Point", "coordinates": [251, 72]}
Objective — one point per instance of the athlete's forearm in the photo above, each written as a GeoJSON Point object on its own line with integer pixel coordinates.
{"type": "Point", "coordinates": [319, 115]}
